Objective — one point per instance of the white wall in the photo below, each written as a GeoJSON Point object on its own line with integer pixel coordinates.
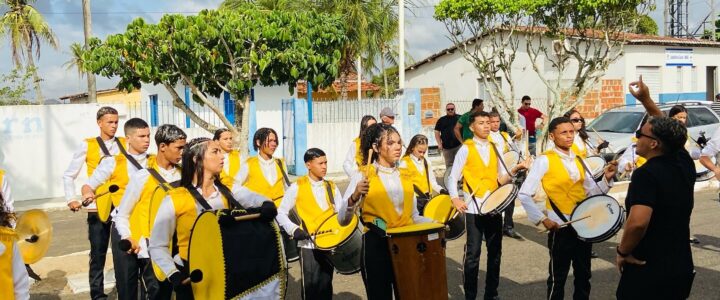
{"type": "Point", "coordinates": [268, 111]}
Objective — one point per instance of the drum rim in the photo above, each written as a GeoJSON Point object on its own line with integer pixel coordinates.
{"type": "Point", "coordinates": [419, 232]}
{"type": "Point", "coordinates": [611, 232]}
{"type": "Point", "coordinates": [464, 229]}
{"type": "Point", "coordinates": [330, 254]}
{"type": "Point", "coordinates": [513, 195]}
{"type": "Point", "coordinates": [340, 243]}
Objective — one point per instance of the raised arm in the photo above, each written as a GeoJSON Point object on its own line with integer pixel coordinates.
{"type": "Point", "coordinates": [641, 92]}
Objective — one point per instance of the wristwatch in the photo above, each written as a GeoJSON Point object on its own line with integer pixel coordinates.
{"type": "Point", "coordinates": [617, 249]}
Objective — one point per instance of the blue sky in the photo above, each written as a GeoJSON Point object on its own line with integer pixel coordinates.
{"type": "Point", "coordinates": [424, 35]}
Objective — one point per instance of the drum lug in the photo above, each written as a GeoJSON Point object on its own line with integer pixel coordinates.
{"type": "Point", "coordinates": [395, 249]}
{"type": "Point", "coordinates": [421, 247]}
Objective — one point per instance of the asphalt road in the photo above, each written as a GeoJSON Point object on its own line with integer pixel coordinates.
{"type": "Point", "coordinates": [523, 269]}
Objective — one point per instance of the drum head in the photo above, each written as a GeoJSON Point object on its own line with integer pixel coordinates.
{"type": "Point", "coordinates": [438, 208]}
{"type": "Point", "coordinates": [330, 234]}
{"type": "Point", "coordinates": [604, 218]}
{"type": "Point", "coordinates": [703, 174]}
{"type": "Point", "coordinates": [511, 158]}
{"type": "Point", "coordinates": [596, 164]}
{"type": "Point", "coordinates": [205, 253]}
{"type": "Point", "coordinates": [498, 199]}
{"type": "Point", "coordinates": [457, 227]}
{"type": "Point", "coordinates": [415, 229]}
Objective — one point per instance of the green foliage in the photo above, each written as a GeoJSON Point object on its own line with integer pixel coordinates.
{"type": "Point", "coordinates": [14, 87]}
{"type": "Point", "coordinates": [391, 74]}
{"type": "Point", "coordinates": [646, 25]}
{"type": "Point", "coordinates": [222, 50]}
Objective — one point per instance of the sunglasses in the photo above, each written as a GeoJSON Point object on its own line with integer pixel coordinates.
{"type": "Point", "coordinates": [577, 120]}
{"type": "Point", "coordinates": [450, 109]}
{"type": "Point", "coordinates": [639, 134]}
{"type": "Point", "coordinates": [526, 103]}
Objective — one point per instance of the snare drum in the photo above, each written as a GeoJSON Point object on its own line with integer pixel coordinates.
{"type": "Point", "coordinates": [596, 165]}
{"type": "Point", "coordinates": [703, 174]}
{"type": "Point", "coordinates": [606, 217]}
{"type": "Point", "coordinates": [418, 257]}
{"type": "Point", "coordinates": [343, 243]}
{"type": "Point", "coordinates": [499, 199]}
{"type": "Point", "coordinates": [511, 158]}
{"type": "Point", "coordinates": [242, 259]}
{"type": "Point", "coordinates": [440, 209]}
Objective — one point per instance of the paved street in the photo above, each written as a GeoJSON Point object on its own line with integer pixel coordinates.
{"type": "Point", "coordinates": [523, 272]}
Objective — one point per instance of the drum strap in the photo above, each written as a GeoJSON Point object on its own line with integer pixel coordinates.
{"type": "Point", "coordinates": [160, 179]}
{"type": "Point", "coordinates": [587, 171]}
{"type": "Point", "coordinates": [557, 211]}
{"type": "Point", "coordinates": [329, 190]}
{"type": "Point", "coordinates": [284, 174]}
{"type": "Point", "coordinates": [470, 190]}
{"type": "Point", "coordinates": [227, 194]}
{"type": "Point", "coordinates": [103, 148]}
{"type": "Point", "coordinates": [199, 198]}
{"type": "Point", "coordinates": [500, 157]}
{"type": "Point", "coordinates": [510, 145]}
{"type": "Point", "coordinates": [129, 157]}
{"type": "Point", "coordinates": [427, 177]}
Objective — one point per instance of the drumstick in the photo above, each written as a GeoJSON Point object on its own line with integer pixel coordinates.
{"type": "Point", "coordinates": [247, 217]}
{"type": "Point", "coordinates": [111, 189]}
{"type": "Point", "coordinates": [600, 137]}
{"type": "Point", "coordinates": [367, 174]}
{"type": "Point", "coordinates": [567, 223]}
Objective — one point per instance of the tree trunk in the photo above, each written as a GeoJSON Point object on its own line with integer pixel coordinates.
{"type": "Point", "coordinates": [384, 72]}
{"type": "Point", "coordinates": [36, 79]}
{"type": "Point", "coordinates": [87, 26]}
{"type": "Point", "coordinates": [242, 123]}
{"type": "Point", "coordinates": [179, 103]}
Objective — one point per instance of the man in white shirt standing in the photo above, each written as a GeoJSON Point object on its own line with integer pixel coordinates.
{"type": "Point", "coordinates": [90, 153]}
{"type": "Point", "coordinates": [117, 170]}
{"type": "Point", "coordinates": [136, 214]}
{"type": "Point", "coordinates": [567, 183]}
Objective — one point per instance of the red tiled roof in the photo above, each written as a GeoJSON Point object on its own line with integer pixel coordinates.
{"type": "Point", "coordinates": [336, 86]}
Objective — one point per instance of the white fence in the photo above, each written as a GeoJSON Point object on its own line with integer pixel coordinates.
{"type": "Point", "coordinates": [349, 110]}
{"type": "Point", "coordinates": [162, 111]}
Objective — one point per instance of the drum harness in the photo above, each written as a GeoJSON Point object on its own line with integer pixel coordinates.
{"type": "Point", "coordinates": [331, 197]}
{"type": "Point", "coordinates": [502, 161]}
{"type": "Point", "coordinates": [425, 196]}
{"type": "Point", "coordinates": [552, 203]}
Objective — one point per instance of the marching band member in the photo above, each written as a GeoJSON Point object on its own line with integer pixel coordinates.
{"type": "Point", "coordinates": [134, 216]}
{"type": "Point", "coordinates": [118, 170]}
{"type": "Point", "coordinates": [6, 199]}
{"type": "Point", "coordinates": [200, 189]}
{"type": "Point", "coordinates": [581, 146]}
{"type": "Point", "coordinates": [566, 183]}
{"type": "Point", "coordinates": [90, 153]}
{"type": "Point", "coordinates": [389, 202]}
{"type": "Point", "coordinates": [480, 165]}
{"type": "Point", "coordinates": [353, 158]}
{"type": "Point", "coordinates": [312, 196]}
{"type": "Point", "coordinates": [263, 174]}
{"type": "Point", "coordinates": [233, 158]}
{"type": "Point", "coordinates": [14, 282]}
{"type": "Point", "coordinates": [422, 173]}
{"type": "Point", "coordinates": [503, 141]}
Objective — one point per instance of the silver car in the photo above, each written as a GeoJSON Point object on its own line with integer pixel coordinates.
{"type": "Point", "coordinates": [618, 125]}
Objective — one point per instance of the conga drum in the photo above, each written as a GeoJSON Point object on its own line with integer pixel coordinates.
{"type": "Point", "coordinates": [418, 257]}
{"type": "Point", "coordinates": [238, 259]}
{"type": "Point", "coordinates": [343, 243]}
{"type": "Point", "coordinates": [440, 209]}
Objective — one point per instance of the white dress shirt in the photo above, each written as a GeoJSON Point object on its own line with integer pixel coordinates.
{"type": "Point", "coordinates": [288, 203]}
{"type": "Point", "coordinates": [537, 172]}
{"type": "Point", "coordinates": [713, 145]}
{"type": "Point", "coordinates": [630, 156]}
{"type": "Point", "coordinates": [132, 197]}
{"type": "Point", "coordinates": [390, 178]}
{"type": "Point", "coordinates": [7, 197]}
{"type": "Point", "coordinates": [350, 164]}
{"type": "Point", "coordinates": [420, 166]}
{"type": "Point", "coordinates": [483, 148]}
{"type": "Point", "coordinates": [499, 141]}
{"type": "Point", "coordinates": [164, 227]}
{"type": "Point", "coordinates": [245, 196]}
{"type": "Point", "coordinates": [107, 167]}
{"type": "Point", "coordinates": [21, 281]}
{"type": "Point", "coordinates": [76, 164]}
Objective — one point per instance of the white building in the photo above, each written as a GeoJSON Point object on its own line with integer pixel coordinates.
{"type": "Point", "coordinates": [674, 69]}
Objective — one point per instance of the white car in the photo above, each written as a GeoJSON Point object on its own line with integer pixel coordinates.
{"type": "Point", "coordinates": [618, 125]}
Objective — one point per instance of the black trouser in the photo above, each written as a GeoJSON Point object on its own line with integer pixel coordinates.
{"type": "Point", "coordinates": [565, 247]}
{"type": "Point", "coordinates": [184, 292]}
{"type": "Point", "coordinates": [126, 269]}
{"type": "Point", "coordinates": [656, 280]}
{"type": "Point", "coordinates": [491, 227]}
{"type": "Point", "coordinates": [377, 270]}
{"type": "Point", "coordinates": [151, 288]}
{"type": "Point", "coordinates": [99, 236]}
{"type": "Point", "coordinates": [508, 217]}
{"type": "Point", "coordinates": [317, 274]}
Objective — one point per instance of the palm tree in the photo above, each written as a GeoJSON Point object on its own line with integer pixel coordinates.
{"type": "Point", "coordinates": [87, 29]}
{"type": "Point", "coordinates": [26, 28]}
{"type": "Point", "coordinates": [76, 61]}
{"type": "Point", "coordinates": [266, 4]}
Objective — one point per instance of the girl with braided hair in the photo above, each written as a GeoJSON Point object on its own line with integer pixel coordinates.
{"type": "Point", "coordinates": [389, 202]}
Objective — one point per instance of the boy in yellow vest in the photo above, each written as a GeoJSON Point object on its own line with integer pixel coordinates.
{"type": "Point", "coordinates": [566, 183]}
{"type": "Point", "coordinates": [14, 283]}
{"type": "Point", "coordinates": [143, 196]}
{"type": "Point", "coordinates": [505, 142]}
{"type": "Point", "coordinates": [117, 170]}
{"type": "Point", "coordinates": [90, 153]}
{"type": "Point", "coordinates": [312, 197]}
{"type": "Point", "coordinates": [233, 159]}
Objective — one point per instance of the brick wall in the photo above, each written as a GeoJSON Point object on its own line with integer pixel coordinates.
{"type": "Point", "coordinates": [610, 94]}
{"type": "Point", "coordinates": [429, 105]}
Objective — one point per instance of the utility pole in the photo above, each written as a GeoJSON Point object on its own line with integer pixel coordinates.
{"type": "Point", "coordinates": [713, 19]}
{"type": "Point", "coordinates": [401, 42]}
{"type": "Point", "coordinates": [666, 18]}
{"type": "Point", "coordinates": [87, 26]}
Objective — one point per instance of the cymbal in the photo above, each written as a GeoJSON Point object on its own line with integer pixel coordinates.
{"type": "Point", "coordinates": [34, 231]}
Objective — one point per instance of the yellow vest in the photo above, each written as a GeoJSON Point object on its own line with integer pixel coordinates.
{"type": "Point", "coordinates": [639, 160]}
{"type": "Point", "coordinates": [306, 204]}
{"type": "Point", "coordinates": [419, 178]}
{"type": "Point", "coordinates": [234, 166]}
{"type": "Point", "coordinates": [94, 154]}
{"type": "Point", "coordinates": [581, 153]}
{"type": "Point", "coordinates": [358, 154]}
{"type": "Point", "coordinates": [2, 177]}
{"type": "Point", "coordinates": [377, 203]}
{"type": "Point", "coordinates": [476, 173]}
{"type": "Point", "coordinates": [120, 177]}
{"type": "Point", "coordinates": [559, 187]}
{"type": "Point", "coordinates": [506, 147]}
{"type": "Point", "coordinates": [143, 214]}
{"type": "Point", "coordinates": [185, 215]}
{"type": "Point", "coordinates": [257, 183]}
{"type": "Point", "coordinates": [7, 283]}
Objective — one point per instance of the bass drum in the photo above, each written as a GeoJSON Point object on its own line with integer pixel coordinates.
{"type": "Point", "coordinates": [343, 243]}
{"type": "Point", "coordinates": [440, 209]}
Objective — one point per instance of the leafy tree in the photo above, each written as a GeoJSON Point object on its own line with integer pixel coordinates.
{"type": "Point", "coordinates": [222, 51]}
{"type": "Point", "coordinates": [13, 87]}
{"type": "Point", "coordinates": [76, 60]}
{"type": "Point", "coordinates": [646, 25]}
{"type": "Point", "coordinates": [587, 36]}
{"type": "Point", "coordinates": [389, 80]}
{"type": "Point", "coordinates": [26, 29]}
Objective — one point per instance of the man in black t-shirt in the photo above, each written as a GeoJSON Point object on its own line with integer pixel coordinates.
{"type": "Point", "coordinates": [654, 257]}
{"type": "Point", "coordinates": [445, 137]}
